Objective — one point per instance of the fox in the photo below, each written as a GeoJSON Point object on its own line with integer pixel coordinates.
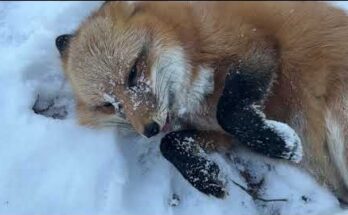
{"type": "Point", "coordinates": [211, 75]}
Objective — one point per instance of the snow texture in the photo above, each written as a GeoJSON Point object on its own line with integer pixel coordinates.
{"type": "Point", "coordinates": [51, 165]}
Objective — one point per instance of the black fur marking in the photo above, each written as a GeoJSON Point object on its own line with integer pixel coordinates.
{"type": "Point", "coordinates": [62, 42]}
{"type": "Point", "coordinates": [185, 155]}
{"type": "Point", "coordinates": [244, 86]}
{"type": "Point", "coordinates": [237, 116]}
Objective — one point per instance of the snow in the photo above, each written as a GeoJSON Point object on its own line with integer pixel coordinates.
{"type": "Point", "coordinates": [51, 165]}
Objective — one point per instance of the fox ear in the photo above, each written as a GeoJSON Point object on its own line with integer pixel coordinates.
{"type": "Point", "coordinates": [62, 42]}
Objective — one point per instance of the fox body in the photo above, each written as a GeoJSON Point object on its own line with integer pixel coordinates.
{"type": "Point", "coordinates": [152, 65]}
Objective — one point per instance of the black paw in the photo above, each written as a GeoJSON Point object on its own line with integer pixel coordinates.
{"type": "Point", "coordinates": [248, 125]}
{"type": "Point", "coordinates": [180, 149]}
{"type": "Point", "coordinates": [292, 142]}
{"type": "Point", "coordinates": [238, 115]}
{"type": "Point", "coordinates": [244, 86]}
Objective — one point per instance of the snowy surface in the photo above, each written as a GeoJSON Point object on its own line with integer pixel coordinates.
{"type": "Point", "coordinates": [51, 165]}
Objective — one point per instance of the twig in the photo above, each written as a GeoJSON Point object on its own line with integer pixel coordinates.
{"type": "Point", "coordinates": [255, 197]}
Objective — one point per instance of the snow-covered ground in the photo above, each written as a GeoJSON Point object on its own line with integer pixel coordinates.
{"type": "Point", "coordinates": [51, 165]}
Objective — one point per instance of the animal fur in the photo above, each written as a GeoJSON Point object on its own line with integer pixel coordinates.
{"type": "Point", "coordinates": [189, 47]}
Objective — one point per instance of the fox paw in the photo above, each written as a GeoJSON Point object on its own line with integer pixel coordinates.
{"type": "Point", "coordinates": [181, 150]}
{"type": "Point", "coordinates": [293, 147]}
{"type": "Point", "coordinates": [205, 179]}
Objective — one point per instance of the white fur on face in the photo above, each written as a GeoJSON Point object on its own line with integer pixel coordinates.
{"type": "Point", "coordinates": [196, 91]}
{"type": "Point", "coordinates": [166, 74]}
{"type": "Point", "coordinates": [172, 76]}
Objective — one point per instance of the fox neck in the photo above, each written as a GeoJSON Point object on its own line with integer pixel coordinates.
{"type": "Point", "coordinates": [179, 92]}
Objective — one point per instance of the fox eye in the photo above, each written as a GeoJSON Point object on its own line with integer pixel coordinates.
{"type": "Point", "coordinates": [107, 105]}
{"type": "Point", "coordinates": [106, 108]}
{"type": "Point", "coordinates": [132, 77]}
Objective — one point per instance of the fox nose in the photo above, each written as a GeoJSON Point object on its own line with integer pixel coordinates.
{"type": "Point", "coordinates": [151, 129]}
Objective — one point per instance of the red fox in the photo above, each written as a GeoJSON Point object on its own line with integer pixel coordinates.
{"type": "Point", "coordinates": [212, 70]}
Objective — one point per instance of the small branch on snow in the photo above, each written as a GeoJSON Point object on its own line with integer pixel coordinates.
{"type": "Point", "coordinates": [256, 197]}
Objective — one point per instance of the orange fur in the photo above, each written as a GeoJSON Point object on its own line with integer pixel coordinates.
{"type": "Point", "coordinates": [306, 40]}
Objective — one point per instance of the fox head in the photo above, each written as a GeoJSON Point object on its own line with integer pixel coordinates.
{"type": "Point", "coordinates": [123, 64]}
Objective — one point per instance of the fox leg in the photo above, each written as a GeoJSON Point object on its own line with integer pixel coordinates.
{"type": "Point", "coordinates": [237, 114]}
{"type": "Point", "coordinates": [184, 149]}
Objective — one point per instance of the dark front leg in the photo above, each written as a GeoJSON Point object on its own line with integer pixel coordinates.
{"type": "Point", "coordinates": [184, 150]}
{"type": "Point", "coordinates": [237, 114]}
